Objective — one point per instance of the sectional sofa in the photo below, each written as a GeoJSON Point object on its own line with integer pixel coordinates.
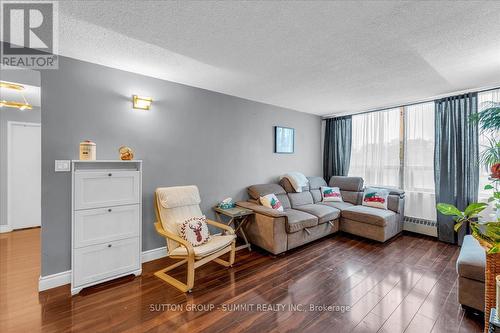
{"type": "Point", "coordinates": [306, 217]}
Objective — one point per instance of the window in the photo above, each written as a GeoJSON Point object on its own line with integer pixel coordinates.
{"type": "Point", "coordinates": [378, 139]}
{"type": "Point", "coordinates": [483, 100]}
{"type": "Point", "coordinates": [375, 147]}
{"type": "Point", "coordinates": [418, 181]}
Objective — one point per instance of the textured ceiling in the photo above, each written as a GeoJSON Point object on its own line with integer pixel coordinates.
{"type": "Point", "coordinates": [316, 57]}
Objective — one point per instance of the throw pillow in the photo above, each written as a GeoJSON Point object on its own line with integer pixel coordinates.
{"type": "Point", "coordinates": [271, 201]}
{"type": "Point", "coordinates": [331, 194]}
{"type": "Point", "coordinates": [375, 197]}
{"type": "Point", "coordinates": [195, 230]}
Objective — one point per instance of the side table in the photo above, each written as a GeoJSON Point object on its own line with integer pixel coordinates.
{"type": "Point", "coordinates": [238, 217]}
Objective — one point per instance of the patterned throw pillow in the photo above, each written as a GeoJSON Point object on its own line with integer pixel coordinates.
{"type": "Point", "coordinates": [331, 194]}
{"type": "Point", "coordinates": [195, 230]}
{"type": "Point", "coordinates": [271, 201]}
{"type": "Point", "coordinates": [375, 197]}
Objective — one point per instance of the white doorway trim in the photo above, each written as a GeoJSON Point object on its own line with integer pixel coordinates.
{"type": "Point", "coordinates": [10, 125]}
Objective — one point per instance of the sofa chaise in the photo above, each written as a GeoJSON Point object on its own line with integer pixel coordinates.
{"type": "Point", "coordinates": [306, 217]}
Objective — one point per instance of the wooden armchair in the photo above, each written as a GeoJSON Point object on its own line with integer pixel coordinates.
{"type": "Point", "coordinates": [174, 205]}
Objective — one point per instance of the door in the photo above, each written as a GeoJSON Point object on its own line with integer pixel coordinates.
{"type": "Point", "coordinates": [24, 175]}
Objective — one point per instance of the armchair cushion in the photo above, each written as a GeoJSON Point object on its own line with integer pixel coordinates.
{"type": "Point", "coordinates": [216, 243]}
{"type": "Point", "coordinates": [178, 196]}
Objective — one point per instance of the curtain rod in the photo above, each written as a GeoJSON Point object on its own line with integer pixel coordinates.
{"type": "Point", "coordinates": [479, 90]}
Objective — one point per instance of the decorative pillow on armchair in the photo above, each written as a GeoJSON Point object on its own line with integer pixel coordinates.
{"type": "Point", "coordinates": [375, 197]}
{"type": "Point", "coordinates": [195, 230]}
{"type": "Point", "coordinates": [271, 201]}
{"type": "Point", "coordinates": [331, 194]}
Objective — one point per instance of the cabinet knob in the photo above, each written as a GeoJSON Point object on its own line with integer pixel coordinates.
{"type": "Point", "coordinates": [110, 174]}
{"type": "Point", "coordinates": [109, 245]}
{"type": "Point", "coordinates": [110, 210]}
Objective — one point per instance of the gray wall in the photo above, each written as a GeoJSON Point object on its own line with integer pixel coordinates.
{"type": "Point", "coordinates": [8, 114]}
{"type": "Point", "coordinates": [191, 136]}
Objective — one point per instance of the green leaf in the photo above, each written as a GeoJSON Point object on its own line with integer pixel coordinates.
{"type": "Point", "coordinates": [494, 249]}
{"type": "Point", "coordinates": [475, 208]}
{"type": "Point", "coordinates": [492, 231]}
{"type": "Point", "coordinates": [458, 225]}
{"type": "Point", "coordinates": [449, 210]}
{"type": "Point", "coordinates": [488, 187]}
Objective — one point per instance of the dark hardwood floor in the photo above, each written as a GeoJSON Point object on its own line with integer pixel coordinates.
{"type": "Point", "coordinates": [408, 284]}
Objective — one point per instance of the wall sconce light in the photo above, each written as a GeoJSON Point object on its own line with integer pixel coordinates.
{"type": "Point", "coordinates": [13, 104]}
{"type": "Point", "coordinates": [142, 103]}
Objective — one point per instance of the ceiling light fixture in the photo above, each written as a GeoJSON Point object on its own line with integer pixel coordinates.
{"type": "Point", "coordinates": [12, 104]}
{"type": "Point", "coordinates": [141, 103]}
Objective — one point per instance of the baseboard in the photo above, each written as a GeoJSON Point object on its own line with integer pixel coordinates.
{"type": "Point", "coordinates": [62, 278]}
{"type": "Point", "coordinates": [54, 280]}
{"type": "Point", "coordinates": [5, 228]}
{"type": "Point", "coordinates": [154, 254]}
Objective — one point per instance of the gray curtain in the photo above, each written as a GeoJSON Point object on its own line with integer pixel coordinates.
{"type": "Point", "coordinates": [456, 167]}
{"type": "Point", "coordinates": [337, 147]}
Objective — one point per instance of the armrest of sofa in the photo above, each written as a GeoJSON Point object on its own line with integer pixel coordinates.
{"type": "Point", "coordinates": [260, 209]}
{"type": "Point", "coordinates": [267, 227]}
{"type": "Point", "coordinates": [393, 191]}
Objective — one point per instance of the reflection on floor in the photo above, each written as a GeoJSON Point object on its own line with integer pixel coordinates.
{"type": "Point", "coordinates": [408, 284]}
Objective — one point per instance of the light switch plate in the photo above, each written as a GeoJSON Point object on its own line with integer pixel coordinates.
{"type": "Point", "coordinates": [63, 165]}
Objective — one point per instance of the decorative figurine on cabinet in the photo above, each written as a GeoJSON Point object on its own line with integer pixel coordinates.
{"type": "Point", "coordinates": [126, 153]}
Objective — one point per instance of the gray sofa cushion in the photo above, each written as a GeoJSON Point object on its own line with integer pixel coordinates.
{"type": "Point", "coordinates": [298, 220]}
{"type": "Point", "coordinates": [322, 212]}
{"type": "Point", "coordinates": [285, 202]}
{"type": "Point", "coordinates": [338, 205]}
{"type": "Point", "coordinates": [299, 199]}
{"type": "Point", "coordinates": [370, 215]}
{"type": "Point", "coordinates": [354, 198]}
{"type": "Point", "coordinates": [259, 190]}
{"type": "Point", "coordinates": [351, 188]}
{"type": "Point", "coordinates": [472, 259]}
{"type": "Point", "coordinates": [316, 182]}
{"type": "Point", "coordinates": [353, 184]}
{"type": "Point", "coordinates": [316, 194]}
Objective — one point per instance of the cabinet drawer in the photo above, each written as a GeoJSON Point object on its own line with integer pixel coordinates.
{"type": "Point", "coordinates": [99, 225]}
{"type": "Point", "coordinates": [97, 262]}
{"type": "Point", "coordinates": [106, 188]}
